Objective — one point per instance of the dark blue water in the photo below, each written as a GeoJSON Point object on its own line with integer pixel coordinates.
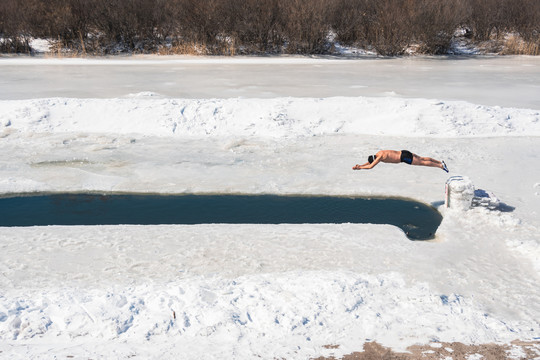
{"type": "Point", "coordinates": [417, 220]}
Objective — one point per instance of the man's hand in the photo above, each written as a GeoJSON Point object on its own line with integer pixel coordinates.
{"type": "Point", "coordinates": [366, 166]}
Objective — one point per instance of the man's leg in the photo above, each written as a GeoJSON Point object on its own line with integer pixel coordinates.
{"type": "Point", "coordinates": [426, 161]}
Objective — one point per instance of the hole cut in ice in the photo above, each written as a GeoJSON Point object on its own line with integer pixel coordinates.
{"type": "Point", "coordinates": [419, 221]}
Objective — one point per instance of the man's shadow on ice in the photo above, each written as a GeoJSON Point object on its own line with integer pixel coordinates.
{"type": "Point", "coordinates": [504, 208]}
{"type": "Point", "coordinates": [486, 199]}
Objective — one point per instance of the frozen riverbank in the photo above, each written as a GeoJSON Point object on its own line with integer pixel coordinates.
{"type": "Point", "coordinates": [510, 81]}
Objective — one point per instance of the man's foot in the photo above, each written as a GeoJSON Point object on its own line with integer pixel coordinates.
{"type": "Point", "coordinates": [445, 168]}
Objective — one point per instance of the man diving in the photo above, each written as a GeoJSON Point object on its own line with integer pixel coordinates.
{"type": "Point", "coordinates": [395, 157]}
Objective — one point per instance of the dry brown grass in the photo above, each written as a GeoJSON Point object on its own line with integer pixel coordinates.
{"type": "Point", "coordinates": [439, 351]}
{"type": "Point", "coordinates": [183, 48]}
{"type": "Point", "coordinates": [516, 45]}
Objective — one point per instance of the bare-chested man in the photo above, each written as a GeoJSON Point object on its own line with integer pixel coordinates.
{"type": "Point", "coordinates": [395, 157]}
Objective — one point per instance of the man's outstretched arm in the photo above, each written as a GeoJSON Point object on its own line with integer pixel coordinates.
{"type": "Point", "coordinates": [367, 165]}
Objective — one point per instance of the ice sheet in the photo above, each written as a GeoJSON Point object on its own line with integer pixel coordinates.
{"type": "Point", "coordinates": [511, 81]}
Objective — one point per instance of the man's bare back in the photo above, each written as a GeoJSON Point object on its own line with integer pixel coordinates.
{"type": "Point", "coordinates": [395, 157]}
{"type": "Point", "coordinates": [389, 156]}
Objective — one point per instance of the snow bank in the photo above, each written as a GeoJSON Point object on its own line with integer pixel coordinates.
{"type": "Point", "coordinates": [148, 114]}
{"type": "Point", "coordinates": [307, 311]}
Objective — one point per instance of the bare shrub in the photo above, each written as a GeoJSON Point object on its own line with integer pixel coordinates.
{"type": "Point", "coordinates": [486, 18]}
{"type": "Point", "coordinates": [67, 21]}
{"type": "Point", "coordinates": [492, 21]}
{"type": "Point", "coordinates": [123, 25]}
{"type": "Point", "coordinates": [202, 23]}
{"type": "Point", "coordinates": [305, 26]}
{"type": "Point", "coordinates": [526, 23]}
{"type": "Point", "coordinates": [435, 22]}
{"type": "Point", "coordinates": [350, 21]}
{"type": "Point", "coordinates": [14, 37]}
{"type": "Point", "coordinates": [390, 29]}
{"type": "Point", "coordinates": [255, 25]}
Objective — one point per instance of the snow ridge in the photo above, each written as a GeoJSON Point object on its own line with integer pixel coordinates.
{"type": "Point", "coordinates": [277, 117]}
{"type": "Point", "coordinates": [308, 308]}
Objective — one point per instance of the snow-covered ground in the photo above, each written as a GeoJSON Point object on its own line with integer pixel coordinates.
{"type": "Point", "coordinates": [274, 291]}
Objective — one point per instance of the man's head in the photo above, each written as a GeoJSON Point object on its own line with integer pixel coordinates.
{"type": "Point", "coordinates": [371, 158]}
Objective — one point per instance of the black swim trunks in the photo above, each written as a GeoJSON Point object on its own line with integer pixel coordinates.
{"type": "Point", "coordinates": [406, 157]}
